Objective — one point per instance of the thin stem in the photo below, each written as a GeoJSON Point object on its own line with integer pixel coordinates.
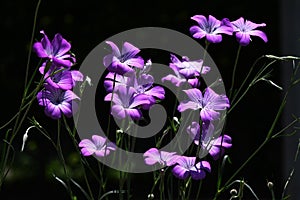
{"type": "Point", "coordinates": [111, 102]}
{"type": "Point", "coordinates": [234, 71]}
{"type": "Point", "coordinates": [204, 57]}
{"type": "Point", "coordinates": [156, 179]}
{"type": "Point", "coordinates": [15, 130]}
{"type": "Point", "coordinates": [200, 138]}
{"type": "Point", "coordinates": [185, 186]}
{"type": "Point", "coordinates": [189, 191]}
{"type": "Point", "coordinates": [162, 185]}
{"type": "Point", "coordinates": [102, 184]}
{"type": "Point", "coordinates": [62, 159]}
{"type": "Point", "coordinates": [31, 40]}
{"type": "Point", "coordinates": [205, 51]}
{"type": "Point", "coordinates": [267, 139]}
{"type": "Point", "coordinates": [78, 151]}
{"type": "Point", "coordinates": [253, 82]}
{"type": "Point", "coordinates": [246, 79]}
{"type": "Point", "coordinates": [199, 190]}
{"type": "Point", "coordinates": [285, 128]}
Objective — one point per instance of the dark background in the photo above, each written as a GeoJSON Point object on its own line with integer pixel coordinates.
{"type": "Point", "coordinates": [86, 24]}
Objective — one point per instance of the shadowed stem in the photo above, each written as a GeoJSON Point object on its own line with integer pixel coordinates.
{"type": "Point", "coordinates": [199, 190]}
{"type": "Point", "coordinates": [62, 159]}
{"type": "Point", "coordinates": [72, 135]}
{"type": "Point", "coordinates": [17, 122]}
{"type": "Point", "coordinates": [204, 57]}
{"type": "Point", "coordinates": [162, 185]}
{"type": "Point", "coordinates": [234, 71]}
{"type": "Point", "coordinates": [267, 139]}
{"type": "Point", "coordinates": [186, 184]}
{"type": "Point", "coordinates": [31, 41]}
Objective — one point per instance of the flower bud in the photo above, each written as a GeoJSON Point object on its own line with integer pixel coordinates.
{"type": "Point", "coordinates": [150, 196]}
{"type": "Point", "coordinates": [233, 192]}
{"type": "Point", "coordinates": [270, 185]}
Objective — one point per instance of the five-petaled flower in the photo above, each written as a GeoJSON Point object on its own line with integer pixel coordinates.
{"type": "Point", "coordinates": [126, 102]}
{"type": "Point", "coordinates": [188, 69]}
{"type": "Point", "coordinates": [98, 146]}
{"type": "Point", "coordinates": [56, 50]}
{"type": "Point", "coordinates": [209, 103]}
{"type": "Point", "coordinates": [244, 29]}
{"type": "Point", "coordinates": [122, 62]}
{"type": "Point", "coordinates": [210, 28]}
{"type": "Point", "coordinates": [187, 166]}
{"type": "Point", "coordinates": [60, 77]}
{"type": "Point", "coordinates": [164, 158]}
{"type": "Point", "coordinates": [211, 144]}
{"type": "Point", "coordinates": [56, 101]}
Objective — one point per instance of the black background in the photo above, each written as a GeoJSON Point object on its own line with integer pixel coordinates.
{"type": "Point", "coordinates": [86, 24]}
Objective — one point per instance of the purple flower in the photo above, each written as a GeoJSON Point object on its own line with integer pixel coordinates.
{"type": "Point", "coordinates": [188, 69]}
{"type": "Point", "coordinates": [144, 85]}
{"type": "Point", "coordinates": [56, 101]}
{"type": "Point", "coordinates": [244, 29]}
{"type": "Point", "coordinates": [56, 51]}
{"type": "Point", "coordinates": [125, 103]}
{"type": "Point", "coordinates": [124, 80]}
{"type": "Point", "coordinates": [77, 76]}
{"type": "Point", "coordinates": [214, 146]}
{"type": "Point", "coordinates": [59, 77]}
{"type": "Point", "coordinates": [211, 28]}
{"type": "Point", "coordinates": [209, 103]}
{"type": "Point", "coordinates": [179, 79]}
{"type": "Point", "coordinates": [187, 167]}
{"type": "Point", "coordinates": [119, 80]}
{"type": "Point", "coordinates": [122, 62]}
{"type": "Point", "coordinates": [219, 145]}
{"type": "Point", "coordinates": [98, 146]}
{"type": "Point", "coordinates": [153, 156]}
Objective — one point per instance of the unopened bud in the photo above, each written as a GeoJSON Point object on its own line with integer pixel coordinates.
{"type": "Point", "coordinates": [120, 131]}
{"type": "Point", "coordinates": [25, 137]}
{"type": "Point", "coordinates": [233, 192]}
{"type": "Point", "coordinates": [150, 196]}
{"type": "Point", "coordinates": [270, 185]}
{"type": "Point", "coordinates": [176, 120]}
{"type": "Point", "coordinates": [89, 80]}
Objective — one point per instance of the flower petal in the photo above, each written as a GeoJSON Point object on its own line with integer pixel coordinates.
{"type": "Point", "coordinates": [60, 45]}
{"type": "Point", "coordinates": [118, 111]}
{"type": "Point", "coordinates": [152, 156]}
{"type": "Point", "coordinates": [129, 51]}
{"type": "Point", "coordinates": [98, 141]}
{"type": "Point", "coordinates": [180, 172]}
{"type": "Point", "coordinates": [133, 113]}
{"type": "Point", "coordinates": [115, 49]}
{"type": "Point", "coordinates": [260, 34]}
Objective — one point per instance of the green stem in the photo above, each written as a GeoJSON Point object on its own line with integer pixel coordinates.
{"type": "Point", "coordinates": [162, 185]}
{"type": "Point", "coordinates": [71, 134]}
{"type": "Point", "coordinates": [62, 159]}
{"type": "Point", "coordinates": [253, 82]}
{"type": "Point", "coordinates": [102, 184]}
{"type": "Point", "coordinates": [234, 71]}
{"type": "Point", "coordinates": [189, 191]}
{"type": "Point", "coordinates": [246, 79]}
{"type": "Point", "coordinates": [204, 57]}
{"type": "Point", "coordinates": [267, 139]}
{"type": "Point", "coordinates": [111, 102]}
{"type": "Point", "coordinates": [17, 123]}
{"type": "Point", "coordinates": [31, 40]}
{"type": "Point", "coordinates": [156, 179]}
{"type": "Point", "coordinates": [199, 190]}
